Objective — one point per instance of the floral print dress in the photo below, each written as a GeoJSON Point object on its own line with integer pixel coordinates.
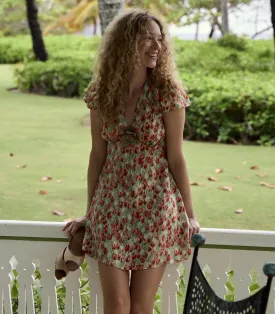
{"type": "Point", "coordinates": [137, 218]}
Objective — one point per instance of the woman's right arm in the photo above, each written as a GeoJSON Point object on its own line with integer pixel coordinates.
{"type": "Point", "coordinates": [96, 163]}
{"type": "Point", "coordinates": [97, 156]}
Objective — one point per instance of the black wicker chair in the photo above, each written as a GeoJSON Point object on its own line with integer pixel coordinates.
{"type": "Point", "coordinates": [201, 299]}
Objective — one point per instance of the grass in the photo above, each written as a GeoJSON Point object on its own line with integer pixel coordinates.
{"type": "Point", "coordinates": [47, 135]}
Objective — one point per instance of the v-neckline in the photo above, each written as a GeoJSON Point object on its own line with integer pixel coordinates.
{"type": "Point", "coordinates": [140, 97]}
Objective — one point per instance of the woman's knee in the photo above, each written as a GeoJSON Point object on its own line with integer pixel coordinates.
{"type": "Point", "coordinates": [117, 304]}
{"type": "Point", "coordinates": [140, 308]}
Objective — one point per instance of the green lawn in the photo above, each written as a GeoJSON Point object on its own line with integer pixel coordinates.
{"type": "Point", "coordinates": [47, 135]}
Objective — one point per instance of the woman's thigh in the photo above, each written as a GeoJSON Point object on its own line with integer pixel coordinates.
{"type": "Point", "coordinates": [143, 289]}
{"type": "Point", "coordinates": [115, 289]}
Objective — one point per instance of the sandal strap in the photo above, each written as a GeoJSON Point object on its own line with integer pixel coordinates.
{"type": "Point", "coordinates": [70, 257]}
{"type": "Point", "coordinates": [60, 263]}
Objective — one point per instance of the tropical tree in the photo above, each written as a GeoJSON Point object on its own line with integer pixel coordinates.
{"type": "Point", "coordinates": [224, 11]}
{"type": "Point", "coordinates": [178, 12]}
{"type": "Point", "coordinates": [213, 11]}
{"type": "Point", "coordinates": [107, 11]}
{"type": "Point", "coordinates": [87, 11]}
{"type": "Point", "coordinates": [36, 34]}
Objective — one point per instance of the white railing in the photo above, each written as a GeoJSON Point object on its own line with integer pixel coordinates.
{"type": "Point", "coordinates": [27, 246]}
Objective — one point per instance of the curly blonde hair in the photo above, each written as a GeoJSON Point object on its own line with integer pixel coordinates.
{"type": "Point", "coordinates": [118, 53]}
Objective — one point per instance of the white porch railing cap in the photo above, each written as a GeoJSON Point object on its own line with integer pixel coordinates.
{"type": "Point", "coordinates": [233, 238]}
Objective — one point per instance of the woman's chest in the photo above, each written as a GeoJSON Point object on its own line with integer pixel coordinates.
{"type": "Point", "coordinates": [146, 125]}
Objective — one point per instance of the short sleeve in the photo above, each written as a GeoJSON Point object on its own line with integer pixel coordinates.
{"type": "Point", "coordinates": [90, 97]}
{"type": "Point", "coordinates": [174, 100]}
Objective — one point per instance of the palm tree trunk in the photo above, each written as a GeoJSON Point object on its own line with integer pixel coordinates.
{"type": "Point", "coordinates": [108, 9]}
{"type": "Point", "coordinates": [224, 10]}
{"type": "Point", "coordinates": [198, 25]}
{"type": "Point", "coordinates": [37, 40]}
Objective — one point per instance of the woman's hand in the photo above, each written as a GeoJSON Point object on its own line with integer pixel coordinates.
{"type": "Point", "coordinates": [72, 226]}
{"type": "Point", "coordinates": [194, 227]}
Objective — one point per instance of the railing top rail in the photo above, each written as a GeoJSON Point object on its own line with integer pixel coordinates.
{"type": "Point", "coordinates": [219, 238]}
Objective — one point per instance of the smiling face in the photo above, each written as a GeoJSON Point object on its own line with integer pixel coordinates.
{"type": "Point", "coordinates": [149, 47]}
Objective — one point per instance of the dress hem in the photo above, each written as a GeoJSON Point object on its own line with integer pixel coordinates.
{"type": "Point", "coordinates": [138, 267]}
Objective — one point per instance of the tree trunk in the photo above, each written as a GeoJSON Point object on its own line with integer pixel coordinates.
{"type": "Point", "coordinates": [224, 10]}
{"type": "Point", "coordinates": [108, 9]}
{"type": "Point", "coordinates": [198, 26]}
{"type": "Point", "coordinates": [212, 31]}
{"type": "Point", "coordinates": [95, 25]}
{"type": "Point", "coordinates": [272, 5]}
{"type": "Point", "coordinates": [37, 40]}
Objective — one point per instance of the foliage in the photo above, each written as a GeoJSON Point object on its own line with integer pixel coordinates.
{"type": "Point", "coordinates": [57, 77]}
{"type": "Point", "coordinates": [233, 41]}
{"type": "Point", "coordinates": [233, 108]}
{"type": "Point", "coordinates": [74, 18]}
{"type": "Point", "coordinates": [13, 15]}
{"type": "Point", "coordinates": [230, 83]}
{"type": "Point", "coordinates": [19, 49]}
{"type": "Point", "coordinates": [85, 290]}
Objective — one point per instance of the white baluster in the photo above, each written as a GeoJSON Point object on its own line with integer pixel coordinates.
{"type": "Point", "coordinates": [218, 262]}
{"type": "Point", "coordinates": [242, 264]}
{"type": "Point", "coordinates": [72, 284]}
{"type": "Point", "coordinates": [5, 284]}
{"type": "Point", "coordinates": [96, 297]}
{"type": "Point", "coordinates": [169, 289]}
{"type": "Point", "coordinates": [25, 269]}
{"type": "Point", "coordinates": [46, 267]}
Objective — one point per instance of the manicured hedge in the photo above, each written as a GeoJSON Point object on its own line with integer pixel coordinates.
{"type": "Point", "coordinates": [57, 78]}
{"type": "Point", "coordinates": [233, 108]}
{"type": "Point", "coordinates": [230, 83]}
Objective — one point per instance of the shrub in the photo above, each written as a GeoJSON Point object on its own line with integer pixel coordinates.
{"type": "Point", "coordinates": [235, 108]}
{"type": "Point", "coordinates": [231, 90]}
{"type": "Point", "coordinates": [59, 78]}
{"type": "Point", "coordinates": [233, 41]}
{"type": "Point", "coordinates": [19, 49]}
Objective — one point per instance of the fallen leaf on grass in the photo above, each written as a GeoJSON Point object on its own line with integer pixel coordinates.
{"type": "Point", "coordinates": [21, 166]}
{"type": "Point", "coordinates": [43, 192]}
{"type": "Point", "coordinates": [268, 185]}
{"type": "Point", "coordinates": [59, 181]}
{"type": "Point", "coordinates": [212, 179]}
{"type": "Point", "coordinates": [11, 154]}
{"type": "Point", "coordinates": [58, 213]}
{"type": "Point", "coordinates": [226, 188]}
{"type": "Point", "coordinates": [238, 177]}
{"type": "Point", "coordinates": [261, 175]}
{"type": "Point", "coordinates": [239, 211]}
{"type": "Point", "coordinates": [46, 178]}
{"type": "Point", "coordinates": [219, 170]}
{"type": "Point", "coordinates": [254, 168]}
{"type": "Point", "coordinates": [194, 183]}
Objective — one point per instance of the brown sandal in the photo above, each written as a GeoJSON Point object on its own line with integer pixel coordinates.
{"type": "Point", "coordinates": [73, 254]}
{"type": "Point", "coordinates": [72, 262]}
{"type": "Point", "coordinates": [61, 269]}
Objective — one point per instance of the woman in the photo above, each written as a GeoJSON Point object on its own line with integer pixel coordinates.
{"type": "Point", "coordinates": [140, 215]}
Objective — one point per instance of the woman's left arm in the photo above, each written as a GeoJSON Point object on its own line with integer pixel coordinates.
{"type": "Point", "coordinates": [174, 125]}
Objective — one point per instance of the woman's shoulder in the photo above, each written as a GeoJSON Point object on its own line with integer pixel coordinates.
{"type": "Point", "coordinates": [171, 97]}
{"type": "Point", "coordinates": [90, 96]}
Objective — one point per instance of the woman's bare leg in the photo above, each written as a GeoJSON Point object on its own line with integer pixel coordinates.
{"type": "Point", "coordinates": [143, 289]}
{"type": "Point", "coordinates": [115, 288]}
